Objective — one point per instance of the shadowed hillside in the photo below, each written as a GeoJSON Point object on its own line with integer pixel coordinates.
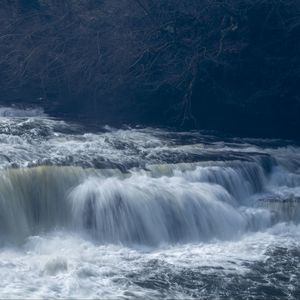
{"type": "Point", "coordinates": [227, 65]}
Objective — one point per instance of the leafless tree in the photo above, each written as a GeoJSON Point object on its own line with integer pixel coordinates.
{"type": "Point", "coordinates": [94, 50]}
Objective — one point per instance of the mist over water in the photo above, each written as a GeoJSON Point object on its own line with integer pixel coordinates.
{"type": "Point", "coordinates": [144, 212]}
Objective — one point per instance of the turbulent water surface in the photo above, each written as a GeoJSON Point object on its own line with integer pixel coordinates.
{"type": "Point", "coordinates": [144, 212]}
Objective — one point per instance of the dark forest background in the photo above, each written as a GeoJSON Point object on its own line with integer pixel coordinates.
{"type": "Point", "coordinates": [231, 65]}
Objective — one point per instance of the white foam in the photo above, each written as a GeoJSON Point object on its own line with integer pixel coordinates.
{"type": "Point", "coordinates": [62, 265]}
{"type": "Point", "coordinates": [12, 112]}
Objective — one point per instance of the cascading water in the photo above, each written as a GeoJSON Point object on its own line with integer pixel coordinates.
{"type": "Point", "coordinates": [144, 212]}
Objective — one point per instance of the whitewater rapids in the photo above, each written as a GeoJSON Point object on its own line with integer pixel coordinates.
{"type": "Point", "coordinates": [141, 212]}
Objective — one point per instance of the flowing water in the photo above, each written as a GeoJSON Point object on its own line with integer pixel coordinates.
{"type": "Point", "coordinates": [145, 213]}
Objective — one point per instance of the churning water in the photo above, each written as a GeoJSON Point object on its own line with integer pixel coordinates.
{"type": "Point", "coordinates": [149, 213]}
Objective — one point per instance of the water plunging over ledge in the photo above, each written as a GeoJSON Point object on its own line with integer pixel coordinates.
{"type": "Point", "coordinates": [144, 212]}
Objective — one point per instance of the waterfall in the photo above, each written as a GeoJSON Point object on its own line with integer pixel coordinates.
{"type": "Point", "coordinates": [185, 203]}
{"type": "Point", "coordinates": [143, 212]}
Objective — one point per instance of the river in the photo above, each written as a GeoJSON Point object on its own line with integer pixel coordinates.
{"type": "Point", "coordinates": [100, 212]}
